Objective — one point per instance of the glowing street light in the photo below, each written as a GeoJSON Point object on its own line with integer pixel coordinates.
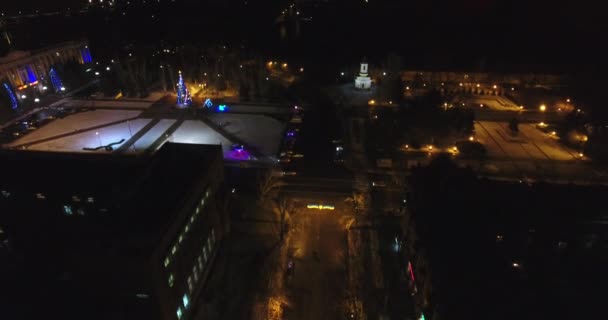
{"type": "Point", "coordinates": [471, 138]}
{"type": "Point", "coordinates": [301, 69]}
{"type": "Point", "coordinates": [568, 100]}
{"type": "Point", "coordinates": [341, 73]}
{"type": "Point", "coordinates": [543, 108]}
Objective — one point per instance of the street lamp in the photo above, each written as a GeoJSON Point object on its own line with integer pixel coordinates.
{"type": "Point", "coordinates": [543, 107]}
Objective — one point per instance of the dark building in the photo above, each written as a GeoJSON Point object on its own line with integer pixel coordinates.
{"type": "Point", "coordinates": [105, 237]}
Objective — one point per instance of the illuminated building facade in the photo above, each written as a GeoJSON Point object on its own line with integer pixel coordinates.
{"type": "Point", "coordinates": [114, 237]}
{"type": "Point", "coordinates": [32, 69]}
{"type": "Point", "coordinates": [363, 81]}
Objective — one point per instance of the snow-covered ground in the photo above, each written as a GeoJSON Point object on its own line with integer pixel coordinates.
{"type": "Point", "coordinates": [89, 139]}
{"type": "Point", "coordinates": [494, 102]}
{"type": "Point", "coordinates": [75, 122]}
{"type": "Point", "coordinates": [261, 132]}
{"type": "Point", "coordinates": [151, 136]}
{"type": "Point", "coordinates": [119, 104]}
{"type": "Point", "coordinates": [195, 131]}
{"type": "Point", "coordinates": [530, 143]}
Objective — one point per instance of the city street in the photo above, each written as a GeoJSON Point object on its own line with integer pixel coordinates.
{"type": "Point", "coordinates": [317, 287]}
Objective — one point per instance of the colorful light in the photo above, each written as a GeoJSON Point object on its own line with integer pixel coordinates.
{"type": "Point", "coordinates": [222, 108]}
{"type": "Point", "coordinates": [183, 96]}
{"type": "Point", "coordinates": [409, 268]}
{"type": "Point", "coordinates": [208, 103]}
{"type": "Point", "coordinates": [55, 80]}
{"type": "Point", "coordinates": [11, 96]}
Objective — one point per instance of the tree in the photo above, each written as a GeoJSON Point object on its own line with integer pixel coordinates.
{"type": "Point", "coordinates": [283, 209]}
{"type": "Point", "coordinates": [267, 183]}
{"type": "Point", "coordinates": [358, 201]}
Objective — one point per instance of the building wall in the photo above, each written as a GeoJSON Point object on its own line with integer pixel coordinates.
{"type": "Point", "coordinates": [184, 259]}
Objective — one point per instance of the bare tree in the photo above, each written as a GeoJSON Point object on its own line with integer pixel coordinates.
{"type": "Point", "coordinates": [284, 209]}
{"type": "Point", "coordinates": [267, 183]}
{"type": "Point", "coordinates": [358, 201]}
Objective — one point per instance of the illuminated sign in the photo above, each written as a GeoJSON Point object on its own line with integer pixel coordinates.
{"type": "Point", "coordinates": [320, 207]}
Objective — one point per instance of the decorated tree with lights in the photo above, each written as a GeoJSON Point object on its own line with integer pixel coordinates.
{"type": "Point", "coordinates": [183, 96]}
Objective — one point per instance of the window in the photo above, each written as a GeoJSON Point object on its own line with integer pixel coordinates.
{"type": "Point", "coordinates": [5, 193]}
{"type": "Point", "coordinates": [181, 238]}
{"type": "Point", "coordinates": [212, 235]}
{"type": "Point", "coordinates": [80, 211]}
{"type": "Point", "coordinates": [40, 196]}
{"type": "Point", "coordinates": [192, 219]}
{"type": "Point", "coordinates": [185, 300]}
{"type": "Point", "coordinates": [190, 287]}
{"type": "Point", "coordinates": [200, 263]}
{"type": "Point", "coordinates": [67, 210]}
{"type": "Point", "coordinates": [174, 249]}
{"type": "Point", "coordinates": [205, 253]}
{"type": "Point", "coordinates": [179, 312]}
{"type": "Point", "coordinates": [167, 261]}
{"type": "Point", "coordinates": [195, 273]}
{"type": "Point", "coordinates": [75, 199]}
{"type": "Point", "coordinates": [202, 201]}
{"type": "Point", "coordinates": [197, 210]}
{"type": "Point", "coordinates": [209, 246]}
{"type": "Point", "coordinates": [187, 228]}
{"type": "Point", "coordinates": [90, 200]}
{"type": "Point", "coordinates": [171, 280]}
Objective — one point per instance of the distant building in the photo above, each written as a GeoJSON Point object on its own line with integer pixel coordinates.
{"type": "Point", "coordinates": [36, 70]}
{"type": "Point", "coordinates": [363, 81]}
{"type": "Point", "coordinates": [106, 237]}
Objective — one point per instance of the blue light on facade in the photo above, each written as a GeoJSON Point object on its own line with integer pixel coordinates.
{"type": "Point", "coordinates": [222, 108]}
{"type": "Point", "coordinates": [86, 55]}
{"type": "Point", "coordinates": [11, 96]}
{"type": "Point", "coordinates": [55, 80]}
{"type": "Point", "coordinates": [31, 76]}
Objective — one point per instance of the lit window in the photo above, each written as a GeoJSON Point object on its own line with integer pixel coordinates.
{"type": "Point", "coordinates": [167, 261]}
{"type": "Point", "coordinates": [80, 211]}
{"type": "Point", "coordinates": [186, 301]}
{"type": "Point", "coordinates": [179, 312]}
{"type": "Point", "coordinates": [187, 228]}
{"type": "Point", "coordinates": [195, 273]}
{"type": "Point", "coordinates": [209, 246]}
{"type": "Point", "coordinates": [207, 194]}
{"type": "Point", "coordinates": [213, 235]}
{"type": "Point", "coordinates": [205, 253]}
{"type": "Point", "coordinates": [202, 201]}
{"type": "Point", "coordinates": [174, 249]}
{"type": "Point", "coordinates": [200, 263]}
{"type": "Point", "coordinates": [40, 196]}
{"type": "Point", "coordinates": [5, 193]}
{"type": "Point", "coordinates": [75, 199]}
{"type": "Point", "coordinates": [190, 287]}
{"type": "Point", "coordinates": [171, 280]}
{"type": "Point", "coordinates": [197, 210]}
{"type": "Point", "coordinates": [192, 219]}
{"type": "Point", "coordinates": [90, 200]}
{"type": "Point", "coordinates": [67, 210]}
{"type": "Point", "coordinates": [181, 238]}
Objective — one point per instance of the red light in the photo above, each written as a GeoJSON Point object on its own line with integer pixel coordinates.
{"type": "Point", "coordinates": [409, 268]}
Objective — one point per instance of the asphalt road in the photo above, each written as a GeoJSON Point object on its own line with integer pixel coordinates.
{"type": "Point", "coordinates": [317, 286]}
